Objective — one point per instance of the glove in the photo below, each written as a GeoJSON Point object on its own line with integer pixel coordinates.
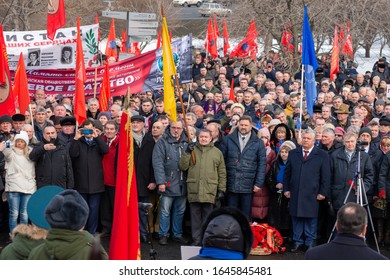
{"type": "Point", "coordinates": [190, 148]}
{"type": "Point", "coordinates": [220, 195]}
{"type": "Point", "coordinates": [219, 199]}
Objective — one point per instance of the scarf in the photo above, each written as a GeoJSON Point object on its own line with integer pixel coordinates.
{"type": "Point", "coordinates": [138, 138]}
{"type": "Point", "coordinates": [220, 254]}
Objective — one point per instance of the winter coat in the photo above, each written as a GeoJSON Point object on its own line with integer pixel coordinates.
{"type": "Point", "coordinates": [260, 200]}
{"type": "Point", "coordinates": [247, 168]}
{"type": "Point", "coordinates": [110, 161]}
{"type": "Point", "coordinates": [52, 167]}
{"type": "Point", "coordinates": [19, 172]}
{"type": "Point", "coordinates": [343, 172]}
{"type": "Point", "coordinates": [278, 215]}
{"type": "Point", "coordinates": [26, 238]}
{"type": "Point", "coordinates": [87, 164]}
{"type": "Point", "coordinates": [143, 164]}
{"type": "Point", "coordinates": [345, 246]}
{"type": "Point", "coordinates": [65, 244]}
{"type": "Point", "coordinates": [207, 175]}
{"type": "Point", "coordinates": [305, 179]}
{"type": "Point", "coordinates": [166, 156]}
{"type": "Point", "coordinates": [384, 176]}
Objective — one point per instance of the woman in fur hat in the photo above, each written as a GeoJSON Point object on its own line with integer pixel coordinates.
{"type": "Point", "coordinates": [280, 134]}
{"type": "Point", "coordinates": [278, 215]}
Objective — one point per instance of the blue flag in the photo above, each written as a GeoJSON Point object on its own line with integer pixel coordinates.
{"type": "Point", "coordinates": [309, 60]}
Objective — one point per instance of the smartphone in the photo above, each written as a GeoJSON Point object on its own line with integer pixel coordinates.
{"type": "Point", "coordinates": [8, 144]}
{"type": "Point", "coordinates": [52, 140]}
{"type": "Point", "coordinates": [86, 131]}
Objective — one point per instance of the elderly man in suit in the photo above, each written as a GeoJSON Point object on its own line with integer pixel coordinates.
{"type": "Point", "coordinates": [306, 183]}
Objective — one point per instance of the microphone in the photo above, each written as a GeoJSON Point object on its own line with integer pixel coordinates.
{"type": "Point", "coordinates": [144, 206]}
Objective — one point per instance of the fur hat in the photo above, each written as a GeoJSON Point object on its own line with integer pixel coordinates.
{"type": "Point", "coordinates": [288, 144]}
{"type": "Point", "coordinates": [67, 210]}
{"type": "Point", "coordinates": [22, 135]}
{"type": "Point", "coordinates": [264, 132]}
{"type": "Point", "coordinates": [274, 122]}
{"type": "Point", "coordinates": [227, 228]}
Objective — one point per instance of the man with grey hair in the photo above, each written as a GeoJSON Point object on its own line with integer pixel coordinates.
{"type": "Point", "coordinates": [40, 122]}
{"type": "Point", "coordinates": [93, 108]}
{"type": "Point", "coordinates": [306, 183]}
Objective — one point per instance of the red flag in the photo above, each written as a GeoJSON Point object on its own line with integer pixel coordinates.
{"type": "Point", "coordinates": [210, 44]}
{"type": "Point", "coordinates": [79, 98]}
{"type": "Point", "coordinates": [55, 17]}
{"type": "Point", "coordinates": [216, 26]}
{"type": "Point", "coordinates": [334, 63]}
{"type": "Point", "coordinates": [248, 46]}
{"type": "Point", "coordinates": [111, 42]}
{"type": "Point", "coordinates": [105, 90]}
{"type": "Point", "coordinates": [97, 22]}
{"type": "Point", "coordinates": [124, 244]}
{"type": "Point", "coordinates": [347, 47]}
{"type": "Point", "coordinates": [7, 100]}
{"type": "Point", "coordinates": [124, 41]}
{"type": "Point", "coordinates": [21, 86]}
{"type": "Point", "coordinates": [134, 48]}
{"type": "Point", "coordinates": [158, 39]}
{"type": "Point", "coordinates": [287, 40]}
{"type": "Point", "coordinates": [226, 44]}
{"type": "Point", "coordinates": [170, 36]}
{"type": "Point", "coordinates": [232, 96]}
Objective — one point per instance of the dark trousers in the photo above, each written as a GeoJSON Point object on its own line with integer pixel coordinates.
{"type": "Point", "coordinates": [241, 201]}
{"type": "Point", "coordinates": [199, 212]}
{"type": "Point", "coordinates": [143, 216]}
{"type": "Point", "coordinates": [304, 230]}
{"type": "Point", "coordinates": [93, 201]}
{"type": "Point", "coordinates": [107, 208]}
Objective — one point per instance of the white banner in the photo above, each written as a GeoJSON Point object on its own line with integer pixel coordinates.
{"type": "Point", "coordinates": [41, 53]}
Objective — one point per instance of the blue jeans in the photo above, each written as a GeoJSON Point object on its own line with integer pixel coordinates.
{"type": "Point", "coordinates": [17, 204]}
{"type": "Point", "coordinates": [178, 205]}
{"type": "Point", "coordinates": [241, 201]}
{"type": "Point", "coordinates": [304, 226]}
{"type": "Point", "coordinates": [93, 201]}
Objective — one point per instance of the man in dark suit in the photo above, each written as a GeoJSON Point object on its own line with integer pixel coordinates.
{"type": "Point", "coordinates": [349, 243]}
{"type": "Point", "coordinates": [305, 183]}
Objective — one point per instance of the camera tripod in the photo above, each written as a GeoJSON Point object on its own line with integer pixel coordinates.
{"type": "Point", "coordinates": [145, 208]}
{"type": "Point", "coordinates": [361, 196]}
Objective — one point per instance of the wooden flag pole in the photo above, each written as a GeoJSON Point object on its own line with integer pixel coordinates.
{"type": "Point", "coordinates": [184, 116]}
{"type": "Point", "coordinates": [32, 118]}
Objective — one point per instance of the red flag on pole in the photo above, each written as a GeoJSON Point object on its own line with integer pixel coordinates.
{"type": "Point", "coordinates": [287, 40]}
{"type": "Point", "coordinates": [134, 48]}
{"type": "Point", "coordinates": [79, 98]}
{"type": "Point", "coordinates": [124, 244]}
{"type": "Point", "coordinates": [7, 100]}
{"type": "Point", "coordinates": [347, 48]}
{"type": "Point", "coordinates": [248, 46]}
{"type": "Point", "coordinates": [111, 42]}
{"type": "Point", "coordinates": [97, 22]}
{"type": "Point", "coordinates": [232, 96]}
{"type": "Point", "coordinates": [55, 17]}
{"type": "Point", "coordinates": [105, 90]}
{"type": "Point", "coordinates": [210, 44]}
{"type": "Point", "coordinates": [21, 86]}
{"type": "Point", "coordinates": [226, 44]}
{"type": "Point", "coordinates": [334, 63]}
{"type": "Point", "coordinates": [124, 41]}
{"type": "Point", "coordinates": [158, 39]}
{"type": "Point", "coordinates": [216, 26]}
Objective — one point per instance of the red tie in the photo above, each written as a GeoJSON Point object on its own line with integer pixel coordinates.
{"type": "Point", "coordinates": [306, 155]}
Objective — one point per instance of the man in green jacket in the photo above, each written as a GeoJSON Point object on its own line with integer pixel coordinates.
{"type": "Point", "coordinates": [67, 214]}
{"type": "Point", "coordinates": [206, 178]}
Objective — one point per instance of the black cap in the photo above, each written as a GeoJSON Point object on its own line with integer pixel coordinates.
{"type": "Point", "coordinates": [5, 118]}
{"type": "Point", "coordinates": [214, 121]}
{"type": "Point", "coordinates": [317, 108]}
{"type": "Point", "coordinates": [208, 78]}
{"type": "Point", "coordinates": [67, 121]}
{"type": "Point", "coordinates": [18, 118]}
{"type": "Point", "coordinates": [363, 99]}
{"type": "Point", "coordinates": [385, 120]}
{"type": "Point", "coordinates": [137, 118]}
{"type": "Point", "coordinates": [98, 125]}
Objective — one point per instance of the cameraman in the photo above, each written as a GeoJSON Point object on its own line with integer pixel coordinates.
{"type": "Point", "coordinates": [343, 164]}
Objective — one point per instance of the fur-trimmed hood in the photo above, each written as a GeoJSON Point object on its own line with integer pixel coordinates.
{"type": "Point", "coordinates": [30, 231]}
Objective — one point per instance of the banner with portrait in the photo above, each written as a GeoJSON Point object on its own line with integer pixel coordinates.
{"type": "Point", "coordinates": [41, 53]}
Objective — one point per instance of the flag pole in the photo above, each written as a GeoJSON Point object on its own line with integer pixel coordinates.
{"type": "Point", "coordinates": [301, 105]}
{"type": "Point", "coordinates": [95, 85]}
{"type": "Point", "coordinates": [184, 116]}
{"type": "Point", "coordinates": [31, 116]}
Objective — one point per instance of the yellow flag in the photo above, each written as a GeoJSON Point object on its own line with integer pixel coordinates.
{"type": "Point", "coordinates": [169, 70]}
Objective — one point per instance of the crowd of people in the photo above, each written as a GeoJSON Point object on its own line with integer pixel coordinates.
{"type": "Point", "coordinates": [251, 151]}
